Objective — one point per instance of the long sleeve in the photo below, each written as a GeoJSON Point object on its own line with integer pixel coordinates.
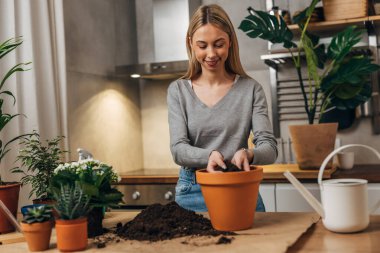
{"type": "Point", "coordinates": [265, 151]}
{"type": "Point", "coordinates": [183, 153]}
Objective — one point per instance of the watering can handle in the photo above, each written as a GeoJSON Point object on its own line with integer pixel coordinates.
{"type": "Point", "coordinates": [327, 159]}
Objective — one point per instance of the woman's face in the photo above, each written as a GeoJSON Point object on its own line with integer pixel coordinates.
{"type": "Point", "coordinates": [210, 46]}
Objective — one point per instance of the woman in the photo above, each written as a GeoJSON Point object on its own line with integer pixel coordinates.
{"type": "Point", "coordinates": [214, 107]}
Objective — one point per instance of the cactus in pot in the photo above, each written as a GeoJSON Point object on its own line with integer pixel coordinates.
{"type": "Point", "coordinates": [37, 226]}
{"type": "Point", "coordinates": [72, 204]}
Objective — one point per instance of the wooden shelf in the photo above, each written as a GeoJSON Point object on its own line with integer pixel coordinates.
{"type": "Point", "coordinates": [336, 24]}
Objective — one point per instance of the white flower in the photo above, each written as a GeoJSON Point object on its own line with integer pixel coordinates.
{"type": "Point", "coordinates": [60, 167]}
{"type": "Point", "coordinates": [74, 164]}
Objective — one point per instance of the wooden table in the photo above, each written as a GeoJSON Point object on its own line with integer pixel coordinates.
{"type": "Point", "coordinates": [317, 240]}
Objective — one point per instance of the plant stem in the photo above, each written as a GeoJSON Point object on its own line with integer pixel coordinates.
{"type": "Point", "coordinates": [298, 68]}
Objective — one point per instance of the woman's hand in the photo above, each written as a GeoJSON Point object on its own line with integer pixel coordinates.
{"type": "Point", "coordinates": [242, 158]}
{"type": "Point", "coordinates": [215, 159]}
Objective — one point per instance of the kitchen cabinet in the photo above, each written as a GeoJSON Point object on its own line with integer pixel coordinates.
{"type": "Point", "coordinates": [374, 196]}
{"type": "Point", "coordinates": [268, 194]}
{"type": "Point", "coordinates": [288, 199]}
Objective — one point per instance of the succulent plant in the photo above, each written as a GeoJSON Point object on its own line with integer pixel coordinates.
{"type": "Point", "coordinates": [38, 214]}
{"type": "Point", "coordinates": [71, 202]}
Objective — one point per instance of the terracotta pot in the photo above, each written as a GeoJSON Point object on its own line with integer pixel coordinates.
{"type": "Point", "coordinates": [71, 234]}
{"type": "Point", "coordinates": [37, 235]}
{"type": "Point", "coordinates": [9, 195]}
{"type": "Point", "coordinates": [231, 197]}
{"type": "Point", "coordinates": [312, 143]}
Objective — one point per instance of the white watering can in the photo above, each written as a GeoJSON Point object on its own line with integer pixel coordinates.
{"type": "Point", "coordinates": [344, 207]}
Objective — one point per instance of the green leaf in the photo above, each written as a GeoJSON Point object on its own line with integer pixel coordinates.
{"type": "Point", "coordinates": [16, 68]}
{"type": "Point", "coordinates": [10, 94]}
{"type": "Point", "coordinates": [347, 91]}
{"type": "Point", "coordinates": [342, 43]}
{"type": "Point", "coordinates": [311, 58]}
{"type": "Point", "coordinates": [348, 85]}
{"type": "Point", "coordinates": [301, 17]}
{"type": "Point", "coordinates": [9, 45]}
{"type": "Point", "coordinates": [90, 189]}
{"type": "Point", "coordinates": [267, 27]}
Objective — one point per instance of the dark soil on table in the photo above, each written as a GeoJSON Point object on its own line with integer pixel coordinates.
{"type": "Point", "coordinates": [162, 222]}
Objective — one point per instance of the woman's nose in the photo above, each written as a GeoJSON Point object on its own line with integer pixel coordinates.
{"type": "Point", "coordinates": [211, 52]}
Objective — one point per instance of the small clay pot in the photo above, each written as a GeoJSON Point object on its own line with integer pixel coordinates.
{"type": "Point", "coordinates": [37, 235]}
{"type": "Point", "coordinates": [231, 197]}
{"type": "Point", "coordinates": [71, 234]}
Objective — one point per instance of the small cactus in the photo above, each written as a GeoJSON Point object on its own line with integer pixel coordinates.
{"type": "Point", "coordinates": [38, 214]}
{"type": "Point", "coordinates": [71, 203]}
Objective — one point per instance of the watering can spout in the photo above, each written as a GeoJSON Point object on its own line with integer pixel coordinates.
{"type": "Point", "coordinates": [305, 193]}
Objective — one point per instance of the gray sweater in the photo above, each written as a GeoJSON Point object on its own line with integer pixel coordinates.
{"type": "Point", "coordinates": [196, 129]}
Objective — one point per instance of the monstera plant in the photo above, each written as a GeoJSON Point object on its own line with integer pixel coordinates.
{"type": "Point", "coordinates": [343, 80]}
{"type": "Point", "coordinates": [338, 77]}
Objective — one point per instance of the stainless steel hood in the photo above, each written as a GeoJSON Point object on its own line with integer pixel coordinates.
{"type": "Point", "coordinates": [161, 31]}
{"type": "Point", "coordinates": [157, 70]}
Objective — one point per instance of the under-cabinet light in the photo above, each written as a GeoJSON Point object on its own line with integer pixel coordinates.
{"type": "Point", "coordinates": [135, 76]}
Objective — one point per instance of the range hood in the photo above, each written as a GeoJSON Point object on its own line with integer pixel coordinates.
{"type": "Point", "coordinates": [156, 70]}
{"type": "Point", "coordinates": [161, 31]}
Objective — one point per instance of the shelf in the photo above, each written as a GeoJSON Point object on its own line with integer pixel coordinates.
{"type": "Point", "coordinates": [336, 24]}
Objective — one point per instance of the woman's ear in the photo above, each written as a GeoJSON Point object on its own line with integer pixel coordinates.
{"type": "Point", "coordinates": [190, 42]}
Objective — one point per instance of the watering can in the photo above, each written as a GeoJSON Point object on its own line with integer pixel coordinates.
{"type": "Point", "coordinates": [344, 207]}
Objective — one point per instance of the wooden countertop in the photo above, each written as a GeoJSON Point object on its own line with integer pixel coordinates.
{"type": "Point", "coordinates": [272, 173]}
{"type": "Point", "coordinates": [371, 172]}
{"type": "Point", "coordinates": [293, 233]}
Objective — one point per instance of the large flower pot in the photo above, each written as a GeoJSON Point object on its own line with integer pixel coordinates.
{"type": "Point", "coordinates": [37, 235]}
{"type": "Point", "coordinates": [312, 143]}
{"type": "Point", "coordinates": [9, 196]}
{"type": "Point", "coordinates": [71, 234]}
{"type": "Point", "coordinates": [231, 197]}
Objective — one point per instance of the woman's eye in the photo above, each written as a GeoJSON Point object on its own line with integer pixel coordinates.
{"type": "Point", "coordinates": [219, 46]}
{"type": "Point", "coordinates": [202, 47]}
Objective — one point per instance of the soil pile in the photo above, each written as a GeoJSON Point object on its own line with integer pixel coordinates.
{"type": "Point", "coordinates": [161, 222]}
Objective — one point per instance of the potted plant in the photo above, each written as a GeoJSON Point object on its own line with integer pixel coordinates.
{"type": "Point", "coordinates": [38, 161]}
{"type": "Point", "coordinates": [96, 180]}
{"type": "Point", "coordinates": [72, 205]}
{"type": "Point", "coordinates": [338, 78]}
{"type": "Point", "coordinates": [36, 226]}
{"type": "Point", "coordinates": [9, 191]}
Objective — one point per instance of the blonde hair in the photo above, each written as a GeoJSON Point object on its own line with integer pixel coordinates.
{"type": "Point", "coordinates": [215, 15]}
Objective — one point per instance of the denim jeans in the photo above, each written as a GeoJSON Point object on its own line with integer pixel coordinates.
{"type": "Point", "coordinates": [189, 196]}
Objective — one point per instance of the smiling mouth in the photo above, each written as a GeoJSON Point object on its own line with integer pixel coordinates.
{"type": "Point", "coordinates": [212, 63]}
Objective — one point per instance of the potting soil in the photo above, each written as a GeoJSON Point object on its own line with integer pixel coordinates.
{"type": "Point", "coordinates": [230, 167]}
{"type": "Point", "coordinates": [162, 222]}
